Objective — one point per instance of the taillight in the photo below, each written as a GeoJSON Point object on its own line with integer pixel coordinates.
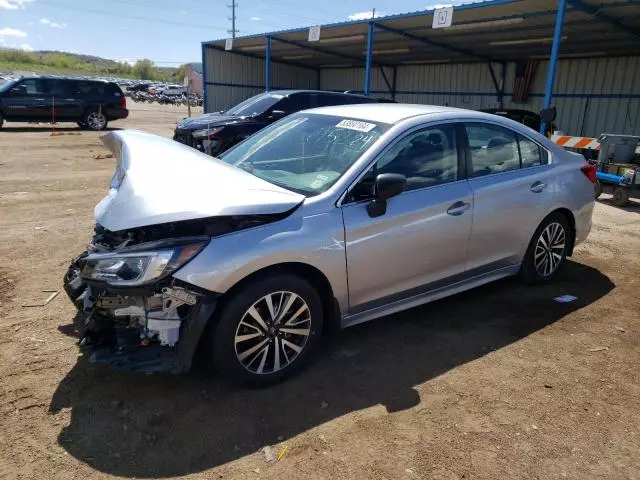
{"type": "Point", "coordinates": [589, 172]}
{"type": "Point", "coordinates": [123, 102]}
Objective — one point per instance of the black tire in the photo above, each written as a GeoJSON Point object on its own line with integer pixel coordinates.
{"type": "Point", "coordinates": [1, 120]}
{"type": "Point", "coordinates": [95, 120]}
{"type": "Point", "coordinates": [222, 340]}
{"type": "Point", "coordinates": [620, 196]}
{"type": "Point", "coordinates": [598, 189]}
{"type": "Point", "coordinates": [536, 275]}
{"type": "Point", "coordinates": [82, 125]}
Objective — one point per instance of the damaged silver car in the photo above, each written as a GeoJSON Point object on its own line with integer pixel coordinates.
{"type": "Point", "coordinates": [327, 218]}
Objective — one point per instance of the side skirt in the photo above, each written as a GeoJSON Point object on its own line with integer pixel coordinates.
{"type": "Point", "coordinates": [429, 296]}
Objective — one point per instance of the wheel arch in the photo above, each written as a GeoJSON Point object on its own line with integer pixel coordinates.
{"type": "Point", "coordinates": [320, 282]}
{"type": "Point", "coordinates": [568, 214]}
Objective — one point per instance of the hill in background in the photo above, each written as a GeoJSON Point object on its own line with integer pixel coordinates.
{"type": "Point", "coordinates": [78, 64]}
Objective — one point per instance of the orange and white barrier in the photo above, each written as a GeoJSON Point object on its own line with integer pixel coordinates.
{"type": "Point", "coordinates": [586, 143]}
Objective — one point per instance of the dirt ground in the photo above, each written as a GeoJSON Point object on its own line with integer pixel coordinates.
{"type": "Point", "coordinates": [498, 383]}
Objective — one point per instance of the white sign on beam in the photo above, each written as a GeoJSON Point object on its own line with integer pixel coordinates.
{"type": "Point", "coordinates": [442, 17]}
{"type": "Point", "coordinates": [314, 33]}
{"type": "Point", "coordinates": [228, 44]}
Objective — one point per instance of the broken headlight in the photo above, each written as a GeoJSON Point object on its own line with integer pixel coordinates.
{"type": "Point", "coordinates": [138, 267]}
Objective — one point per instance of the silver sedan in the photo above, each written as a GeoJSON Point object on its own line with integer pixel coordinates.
{"type": "Point", "coordinates": [333, 216]}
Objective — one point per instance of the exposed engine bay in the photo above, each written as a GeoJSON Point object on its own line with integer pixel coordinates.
{"type": "Point", "coordinates": [141, 327]}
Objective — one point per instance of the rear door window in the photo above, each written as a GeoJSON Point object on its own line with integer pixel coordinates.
{"type": "Point", "coordinates": [494, 149]}
{"type": "Point", "coordinates": [58, 87]}
{"type": "Point", "coordinates": [531, 153]}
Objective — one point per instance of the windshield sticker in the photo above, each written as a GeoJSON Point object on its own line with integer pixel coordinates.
{"type": "Point", "coordinates": [356, 125]}
{"type": "Point", "coordinates": [319, 181]}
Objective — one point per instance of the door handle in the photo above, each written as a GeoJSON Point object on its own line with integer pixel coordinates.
{"type": "Point", "coordinates": [458, 208]}
{"type": "Point", "coordinates": [538, 187]}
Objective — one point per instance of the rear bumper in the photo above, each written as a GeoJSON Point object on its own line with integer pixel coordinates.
{"type": "Point", "coordinates": [118, 114]}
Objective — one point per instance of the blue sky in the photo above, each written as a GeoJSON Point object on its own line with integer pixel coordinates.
{"type": "Point", "coordinates": [166, 31]}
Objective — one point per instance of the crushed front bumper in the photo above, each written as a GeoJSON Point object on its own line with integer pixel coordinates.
{"type": "Point", "coordinates": [150, 329]}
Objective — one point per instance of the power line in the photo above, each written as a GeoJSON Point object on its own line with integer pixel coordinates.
{"type": "Point", "coordinates": [132, 17]}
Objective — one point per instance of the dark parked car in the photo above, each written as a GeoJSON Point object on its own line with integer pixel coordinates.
{"type": "Point", "coordinates": [525, 117]}
{"type": "Point", "coordinates": [89, 103]}
{"type": "Point", "coordinates": [216, 132]}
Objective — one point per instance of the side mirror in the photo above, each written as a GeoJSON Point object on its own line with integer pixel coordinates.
{"type": "Point", "coordinates": [387, 185]}
{"type": "Point", "coordinates": [277, 115]}
{"type": "Point", "coordinates": [548, 115]}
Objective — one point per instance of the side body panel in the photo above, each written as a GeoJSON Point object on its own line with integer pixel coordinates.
{"type": "Point", "coordinates": [414, 243]}
{"type": "Point", "coordinates": [307, 236]}
{"type": "Point", "coordinates": [506, 212]}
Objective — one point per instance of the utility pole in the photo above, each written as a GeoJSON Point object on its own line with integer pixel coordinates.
{"type": "Point", "coordinates": [233, 6]}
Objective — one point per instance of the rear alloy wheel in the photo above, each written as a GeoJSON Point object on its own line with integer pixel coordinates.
{"type": "Point", "coordinates": [268, 330]}
{"type": "Point", "coordinates": [95, 120]}
{"type": "Point", "coordinates": [547, 251]}
{"type": "Point", "coordinates": [620, 196]}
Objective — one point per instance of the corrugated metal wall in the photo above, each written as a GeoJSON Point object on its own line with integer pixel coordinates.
{"type": "Point", "coordinates": [232, 78]}
{"type": "Point", "coordinates": [592, 96]}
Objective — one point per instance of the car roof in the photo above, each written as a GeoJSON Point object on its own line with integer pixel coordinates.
{"type": "Point", "coordinates": [497, 111]}
{"type": "Point", "coordinates": [391, 112]}
{"type": "Point", "coordinates": [52, 77]}
{"type": "Point", "coordinates": [286, 93]}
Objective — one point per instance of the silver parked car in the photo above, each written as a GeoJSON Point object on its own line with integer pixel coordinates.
{"type": "Point", "coordinates": [329, 217]}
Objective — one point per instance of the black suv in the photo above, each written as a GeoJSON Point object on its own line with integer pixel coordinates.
{"type": "Point", "coordinates": [216, 132]}
{"type": "Point", "coordinates": [89, 103]}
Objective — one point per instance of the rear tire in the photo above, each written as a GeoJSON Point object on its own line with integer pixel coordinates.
{"type": "Point", "coordinates": [95, 120]}
{"type": "Point", "coordinates": [547, 250]}
{"type": "Point", "coordinates": [82, 125]}
{"type": "Point", "coordinates": [1, 120]}
{"type": "Point", "coordinates": [251, 346]}
{"type": "Point", "coordinates": [620, 196]}
{"type": "Point", "coordinates": [598, 188]}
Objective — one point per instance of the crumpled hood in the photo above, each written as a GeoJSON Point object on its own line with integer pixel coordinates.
{"type": "Point", "coordinates": [209, 120]}
{"type": "Point", "coordinates": [158, 181]}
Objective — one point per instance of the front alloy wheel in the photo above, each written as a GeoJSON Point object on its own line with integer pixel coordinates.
{"type": "Point", "coordinates": [272, 332]}
{"type": "Point", "coordinates": [267, 329]}
{"type": "Point", "coordinates": [550, 249]}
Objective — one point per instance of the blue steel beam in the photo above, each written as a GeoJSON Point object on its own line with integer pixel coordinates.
{"type": "Point", "coordinates": [427, 41]}
{"type": "Point", "coordinates": [267, 69]}
{"type": "Point", "coordinates": [313, 48]}
{"type": "Point", "coordinates": [386, 80]}
{"type": "Point", "coordinates": [261, 57]}
{"type": "Point", "coordinates": [553, 61]}
{"type": "Point", "coordinates": [597, 12]}
{"type": "Point", "coordinates": [368, 59]}
{"type": "Point", "coordinates": [204, 79]}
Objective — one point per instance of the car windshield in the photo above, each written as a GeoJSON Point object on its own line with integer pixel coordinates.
{"type": "Point", "coordinates": [255, 105]}
{"type": "Point", "coordinates": [305, 153]}
{"type": "Point", "coordinates": [6, 86]}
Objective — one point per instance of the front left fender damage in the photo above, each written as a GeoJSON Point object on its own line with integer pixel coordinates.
{"type": "Point", "coordinates": [155, 328]}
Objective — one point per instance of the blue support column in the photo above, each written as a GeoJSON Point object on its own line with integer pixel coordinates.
{"type": "Point", "coordinates": [553, 61]}
{"type": "Point", "coordinates": [204, 78]}
{"type": "Point", "coordinates": [368, 62]}
{"type": "Point", "coordinates": [267, 70]}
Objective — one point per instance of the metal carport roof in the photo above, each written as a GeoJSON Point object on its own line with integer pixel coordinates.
{"type": "Point", "coordinates": [495, 30]}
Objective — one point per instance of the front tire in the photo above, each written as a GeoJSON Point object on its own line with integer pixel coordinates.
{"type": "Point", "coordinates": [547, 250]}
{"type": "Point", "coordinates": [1, 120]}
{"type": "Point", "coordinates": [267, 331]}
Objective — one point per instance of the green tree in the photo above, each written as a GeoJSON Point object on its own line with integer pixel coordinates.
{"type": "Point", "coordinates": [144, 69]}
